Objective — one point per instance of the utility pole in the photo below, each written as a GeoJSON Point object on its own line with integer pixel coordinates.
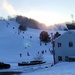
{"type": "Point", "coordinates": [53, 43]}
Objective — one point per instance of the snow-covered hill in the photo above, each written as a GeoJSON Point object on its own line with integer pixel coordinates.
{"type": "Point", "coordinates": [12, 43]}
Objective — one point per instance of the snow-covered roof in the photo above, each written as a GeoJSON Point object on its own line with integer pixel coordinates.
{"type": "Point", "coordinates": [69, 31]}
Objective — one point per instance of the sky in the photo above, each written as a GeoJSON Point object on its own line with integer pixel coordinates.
{"type": "Point", "coordinates": [48, 12]}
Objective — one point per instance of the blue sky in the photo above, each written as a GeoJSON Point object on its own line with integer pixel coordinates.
{"type": "Point", "coordinates": [45, 11]}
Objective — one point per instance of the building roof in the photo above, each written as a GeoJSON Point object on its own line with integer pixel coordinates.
{"type": "Point", "coordinates": [69, 31]}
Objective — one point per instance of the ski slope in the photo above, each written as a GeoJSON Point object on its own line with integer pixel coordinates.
{"type": "Point", "coordinates": [12, 43]}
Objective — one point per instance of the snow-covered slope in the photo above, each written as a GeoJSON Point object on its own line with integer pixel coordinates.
{"type": "Point", "coordinates": [12, 43]}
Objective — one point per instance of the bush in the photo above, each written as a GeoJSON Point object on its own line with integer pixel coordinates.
{"type": "Point", "coordinates": [39, 57]}
{"type": "Point", "coordinates": [44, 37]}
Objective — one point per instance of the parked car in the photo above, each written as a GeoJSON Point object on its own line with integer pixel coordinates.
{"type": "Point", "coordinates": [4, 65]}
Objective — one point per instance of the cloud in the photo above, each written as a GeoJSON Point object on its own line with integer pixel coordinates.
{"type": "Point", "coordinates": [8, 7]}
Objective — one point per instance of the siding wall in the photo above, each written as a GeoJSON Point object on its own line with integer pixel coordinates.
{"type": "Point", "coordinates": [65, 50]}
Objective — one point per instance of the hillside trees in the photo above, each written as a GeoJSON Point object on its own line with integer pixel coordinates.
{"type": "Point", "coordinates": [44, 37]}
{"type": "Point", "coordinates": [28, 22]}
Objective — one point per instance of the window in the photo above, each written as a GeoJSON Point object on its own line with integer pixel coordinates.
{"type": "Point", "coordinates": [59, 44]}
{"type": "Point", "coordinates": [60, 58]}
{"type": "Point", "coordinates": [70, 44]}
{"type": "Point", "coordinates": [66, 58]}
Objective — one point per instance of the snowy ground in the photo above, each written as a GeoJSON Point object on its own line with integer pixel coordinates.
{"type": "Point", "coordinates": [12, 44]}
{"type": "Point", "coordinates": [62, 68]}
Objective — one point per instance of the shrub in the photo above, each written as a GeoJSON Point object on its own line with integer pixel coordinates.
{"type": "Point", "coordinates": [39, 57]}
{"type": "Point", "coordinates": [22, 28]}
